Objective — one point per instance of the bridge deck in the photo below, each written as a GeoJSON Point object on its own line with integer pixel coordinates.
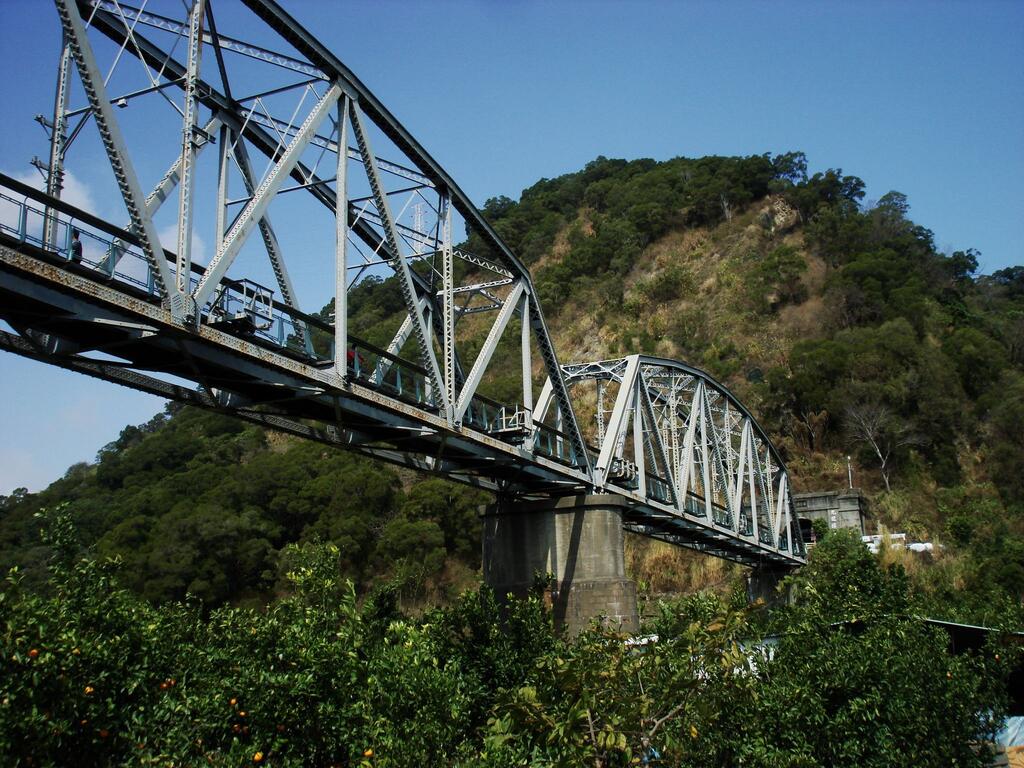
{"type": "Point", "coordinates": [110, 325]}
{"type": "Point", "coordinates": [693, 464]}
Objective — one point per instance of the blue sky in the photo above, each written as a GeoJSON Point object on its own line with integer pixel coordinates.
{"type": "Point", "coordinates": [926, 98]}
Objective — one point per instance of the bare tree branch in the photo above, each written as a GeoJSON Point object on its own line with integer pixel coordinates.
{"type": "Point", "coordinates": [882, 431]}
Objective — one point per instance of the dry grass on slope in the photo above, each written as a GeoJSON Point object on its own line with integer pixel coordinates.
{"type": "Point", "coordinates": [661, 569]}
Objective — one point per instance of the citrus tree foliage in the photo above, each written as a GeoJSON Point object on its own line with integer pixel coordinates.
{"type": "Point", "coordinates": [859, 680]}
{"type": "Point", "coordinates": [93, 675]}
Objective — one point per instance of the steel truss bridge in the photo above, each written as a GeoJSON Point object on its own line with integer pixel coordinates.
{"type": "Point", "coordinates": [278, 119]}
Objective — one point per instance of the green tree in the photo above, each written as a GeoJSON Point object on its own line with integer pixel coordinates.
{"type": "Point", "coordinates": [978, 358]}
{"type": "Point", "coordinates": [779, 276]}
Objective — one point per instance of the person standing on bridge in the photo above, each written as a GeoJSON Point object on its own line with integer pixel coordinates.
{"type": "Point", "coordinates": [76, 247]}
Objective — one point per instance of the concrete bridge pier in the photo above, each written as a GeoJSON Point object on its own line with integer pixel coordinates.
{"type": "Point", "coordinates": [763, 584]}
{"type": "Point", "coordinates": [577, 539]}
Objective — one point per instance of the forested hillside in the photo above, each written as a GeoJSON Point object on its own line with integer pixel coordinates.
{"type": "Point", "coordinates": [199, 503]}
{"type": "Point", "coordinates": [834, 318]}
{"type": "Point", "coordinates": [209, 593]}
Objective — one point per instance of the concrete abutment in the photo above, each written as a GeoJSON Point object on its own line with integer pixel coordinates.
{"type": "Point", "coordinates": [579, 541]}
{"type": "Point", "coordinates": [763, 583]}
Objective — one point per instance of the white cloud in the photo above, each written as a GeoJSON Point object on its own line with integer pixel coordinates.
{"type": "Point", "coordinates": [169, 239]}
{"type": "Point", "coordinates": [76, 192]}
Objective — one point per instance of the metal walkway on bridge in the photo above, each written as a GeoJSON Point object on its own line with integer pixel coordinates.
{"type": "Point", "coordinates": [691, 461]}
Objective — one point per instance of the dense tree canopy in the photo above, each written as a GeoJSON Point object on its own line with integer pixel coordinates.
{"type": "Point", "coordinates": [94, 675]}
{"type": "Point", "coordinates": [200, 504]}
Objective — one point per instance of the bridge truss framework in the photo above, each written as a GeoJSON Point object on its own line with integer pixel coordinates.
{"type": "Point", "coordinates": [693, 464]}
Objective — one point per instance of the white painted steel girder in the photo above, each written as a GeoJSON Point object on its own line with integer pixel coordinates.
{"type": "Point", "coordinates": [675, 443]}
{"type": "Point", "coordinates": [724, 470]}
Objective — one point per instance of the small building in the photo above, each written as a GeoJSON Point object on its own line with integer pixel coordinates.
{"type": "Point", "coordinates": [839, 509]}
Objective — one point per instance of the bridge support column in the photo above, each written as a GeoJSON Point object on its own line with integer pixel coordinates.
{"type": "Point", "coordinates": [579, 540]}
{"type": "Point", "coordinates": [763, 584]}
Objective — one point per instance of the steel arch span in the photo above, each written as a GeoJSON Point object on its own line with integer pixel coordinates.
{"type": "Point", "coordinates": [677, 436]}
{"type": "Point", "coordinates": [215, 116]}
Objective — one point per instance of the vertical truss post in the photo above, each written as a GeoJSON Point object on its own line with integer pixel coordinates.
{"type": "Point", "coordinates": [782, 510]}
{"type": "Point", "coordinates": [765, 492]}
{"type": "Point", "coordinates": [687, 470]}
{"type": "Point", "coordinates": [223, 169]}
{"type": "Point", "coordinates": [639, 453]}
{"type": "Point", "coordinates": [620, 412]}
{"type": "Point", "coordinates": [262, 197]}
{"type": "Point", "coordinates": [738, 492]}
{"type": "Point", "coordinates": [58, 138]}
{"type": "Point", "coordinates": [600, 411]}
{"type": "Point", "coordinates": [750, 477]}
{"type": "Point", "coordinates": [398, 261]}
{"type": "Point", "coordinates": [341, 246]}
{"type": "Point", "coordinates": [188, 146]}
{"type": "Point", "coordinates": [117, 153]}
{"type": "Point", "coordinates": [673, 426]}
{"type": "Point", "coordinates": [656, 444]}
{"type": "Point", "coordinates": [448, 307]}
{"type": "Point", "coordinates": [524, 313]}
{"type": "Point", "coordinates": [729, 450]}
{"type": "Point", "coordinates": [705, 455]}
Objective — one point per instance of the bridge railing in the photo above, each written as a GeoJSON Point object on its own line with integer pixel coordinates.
{"type": "Point", "coordinates": [659, 489]}
{"type": "Point", "coordinates": [116, 255]}
{"type": "Point", "coordinates": [374, 367]}
{"type": "Point", "coordinates": [113, 257]}
{"type": "Point", "coordinates": [390, 374]}
{"type": "Point", "coordinates": [555, 445]}
{"type": "Point", "coordinates": [246, 309]}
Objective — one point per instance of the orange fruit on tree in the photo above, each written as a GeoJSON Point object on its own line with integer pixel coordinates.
{"type": "Point", "coordinates": [258, 757]}
{"type": "Point", "coordinates": [33, 653]}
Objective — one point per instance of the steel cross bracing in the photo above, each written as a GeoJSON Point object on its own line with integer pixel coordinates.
{"type": "Point", "coordinates": [183, 105]}
{"type": "Point", "coordinates": [678, 436]}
